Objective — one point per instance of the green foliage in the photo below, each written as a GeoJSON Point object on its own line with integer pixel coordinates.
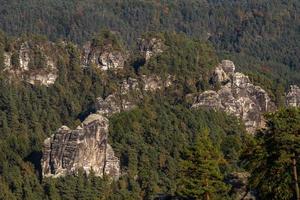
{"type": "Point", "coordinates": [189, 60]}
{"type": "Point", "coordinates": [263, 30]}
{"type": "Point", "coordinates": [158, 143]}
{"type": "Point", "coordinates": [200, 175]}
{"type": "Point", "coordinates": [15, 61]}
{"type": "Point", "coordinates": [270, 159]}
{"type": "Point", "coordinates": [107, 39]}
{"type": "Point", "coordinates": [38, 61]}
{"type": "Point", "coordinates": [150, 140]}
{"type": "Point", "coordinates": [31, 113]}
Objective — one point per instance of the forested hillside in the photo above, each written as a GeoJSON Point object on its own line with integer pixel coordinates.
{"type": "Point", "coordinates": [168, 53]}
{"type": "Point", "coordinates": [260, 34]}
{"type": "Point", "coordinates": [149, 140]}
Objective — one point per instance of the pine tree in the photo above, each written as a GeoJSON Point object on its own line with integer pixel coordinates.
{"type": "Point", "coordinates": [50, 190]}
{"type": "Point", "coordinates": [200, 176]}
{"type": "Point", "coordinates": [5, 192]}
{"type": "Point", "coordinates": [4, 125]}
{"type": "Point", "coordinates": [273, 158]}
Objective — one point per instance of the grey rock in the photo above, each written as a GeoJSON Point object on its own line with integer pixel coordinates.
{"type": "Point", "coordinates": [150, 47]}
{"type": "Point", "coordinates": [113, 104]}
{"type": "Point", "coordinates": [46, 75]}
{"type": "Point", "coordinates": [219, 75]}
{"type": "Point", "coordinates": [24, 56]}
{"type": "Point", "coordinates": [228, 67]}
{"type": "Point", "coordinates": [209, 99]}
{"type": "Point", "coordinates": [85, 148]}
{"type": "Point", "coordinates": [237, 96]}
{"type": "Point", "coordinates": [293, 96]}
{"type": "Point", "coordinates": [239, 182]}
{"type": "Point", "coordinates": [154, 82]}
{"type": "Point", "coordinates": [130, 84]}
{"type": "Point", "coordinates": [129, 93]}
{"type": "Point", "coordinates": [104, 58]}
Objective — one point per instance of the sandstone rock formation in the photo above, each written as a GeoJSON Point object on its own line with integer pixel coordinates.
{"type": "Point", "coordinates": [150, 47]}
{"type": "Point", "coordinates": [103, 57]}
{"type": "Point", "coordinates": [45, 75]}
{"type": "Point", "coordinates": [85, 148]}
{"type": "Point", "coordinates": [153, 82]}
{"type": "Point", "coordinates": [239, 182]}
{"type": "Point", "coordinates": [130, 93]}
{"type": "Point", "coordinates": [293, 96]}
{"type": "Point", "coordinates": [129, 84]}
{"type": "Point", "coordinates": [236, 96]}
{"type": "Point", "coordinates": [113, 104]}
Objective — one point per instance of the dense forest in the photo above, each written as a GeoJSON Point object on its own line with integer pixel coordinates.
{"type": "Point", "coordinates": [260, 35]}
{"type": "Point", "coordinates": [166, 149]}
{"type": "Point", "coordinates": [155, 135]}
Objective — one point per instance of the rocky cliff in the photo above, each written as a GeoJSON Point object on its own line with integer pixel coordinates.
{"type": "Point", "coordinates": [150, 47]}
{"type": "Point", "coordinates": [103, 57]}
{"type": "Point", "coordinates": [31, 61]}
{"type": "Point", "coordinates": [236, 96]}
{"type": "Point", "coordinates": [35, 61]}
{"type": "Point", "coordinates": [130, 93]}
{"type": "Point", "coordinates": [293, 96]}
{"type": "Point", "coordinates": [85, 148]}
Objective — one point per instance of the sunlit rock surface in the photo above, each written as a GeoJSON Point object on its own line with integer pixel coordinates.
{"type": "Point", "coordinates": [293, 96]}
{"type": "Point", "coordinates": [236, 96]}
{"type": "Point", "coordinates": [85, 148]}
{"type": "Point", "coordinates": [104, 58]}
{"type": "Point", "coordinates": [150, 47]}
{"type": "Point", "coordinates": [27, 66]}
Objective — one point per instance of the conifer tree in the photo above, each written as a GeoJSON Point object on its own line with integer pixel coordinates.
{"type": "Point", "coordinates": [200, 176]}
{"type": "Point", "coordinates": [272, 159]}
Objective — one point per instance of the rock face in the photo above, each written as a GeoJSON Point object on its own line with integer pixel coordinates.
{"type": "Point", "coordinates": [130, 93]}
{"type": "Point", "coordinates": [150, 47]}
{"type": "Point", "coordinates": [239, 182]}
{"type": "Point", "coordinates": [112, 104]}
{"type": "Point", "coordinates": [293, 96]}
{"type": "Point", "coordinates": [236, 96]}
{"type": "Point", "coordinates": [22, 63]}
{"type": "Point", "coordinates": [153, 82]}
{"type": "Point", "coordinates": [104, 58]}
{"type": "Point", "coordinates": [83, 148]}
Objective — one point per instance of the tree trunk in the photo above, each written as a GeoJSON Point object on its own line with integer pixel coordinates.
{"type": "Point", "coordinates": [207, 197]}
{"type": "Point", "coordinates": [296, 178]}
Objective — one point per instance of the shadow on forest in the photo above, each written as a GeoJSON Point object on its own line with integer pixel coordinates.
{"type": "Point", "coordinates": [137, 64]}
{"type": "Point", "coordinates": [84, 114]}
{"type": "Point", "coordinates": [170, 197]}
{"type": "Point", "coordinates": [35, 158]}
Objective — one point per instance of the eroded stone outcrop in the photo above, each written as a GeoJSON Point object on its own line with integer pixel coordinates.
{"type": "Point", "coordinates": [130, 93]}
{"type": "Point", "coordinates": [104, 58]}
{"type": "Point", "coordinates": [31, 62]}
{"type": "Point", "coordinates": [85, 148]}
{"type": "Point", "coordinates": [293, 96]}
{"type": "Point", "coordinates": [113, 104]}
{"type": "Point", "coordinates": [154, 82]}
{"type": "Point", "coordinates": [150, 47]}
{"type": "Point", "coordinates": [239, 183]}
{"type": "Point", "coordinates": [236, 96]}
